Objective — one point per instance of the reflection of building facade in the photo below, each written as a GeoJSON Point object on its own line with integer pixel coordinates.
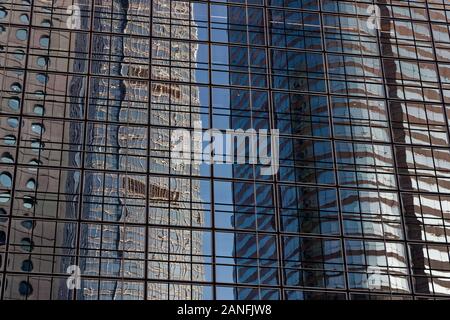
{"type": "Point", "coordinates": [128, 146]}
{"type": "Point", "coordinates": [183, 194]}
{"type": "Point", "coordinates": [363, 122]}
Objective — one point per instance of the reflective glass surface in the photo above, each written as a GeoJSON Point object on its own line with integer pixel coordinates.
{"type": "Point", "coordinates": [360, 206]}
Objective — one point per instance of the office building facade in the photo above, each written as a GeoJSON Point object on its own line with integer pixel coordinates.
{"type": "Point", "coordinates": [92, 91]}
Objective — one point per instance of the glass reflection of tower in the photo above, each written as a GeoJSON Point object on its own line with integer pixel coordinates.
{"type": "Point", "coordinates": [121, 146]}
{"type": "Point", "coordinates": [114, 249]}
{"type": "Point", "coordinates": [183, 194]}
{"type": "Point", "coordinates": [382, 107]}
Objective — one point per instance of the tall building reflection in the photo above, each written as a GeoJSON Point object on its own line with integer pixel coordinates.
{"type": "Point", "coordinates": [127, 144]}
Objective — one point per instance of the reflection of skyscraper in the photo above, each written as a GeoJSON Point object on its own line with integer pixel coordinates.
{"type": "Point", "coordinates": [355, 89]}
{"type": "Point", "coordinates": [184, 194]}
{"type": "Point", "coordinates": [115, 144]}
{"type": "Point", "coordinates": [127, 142]}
